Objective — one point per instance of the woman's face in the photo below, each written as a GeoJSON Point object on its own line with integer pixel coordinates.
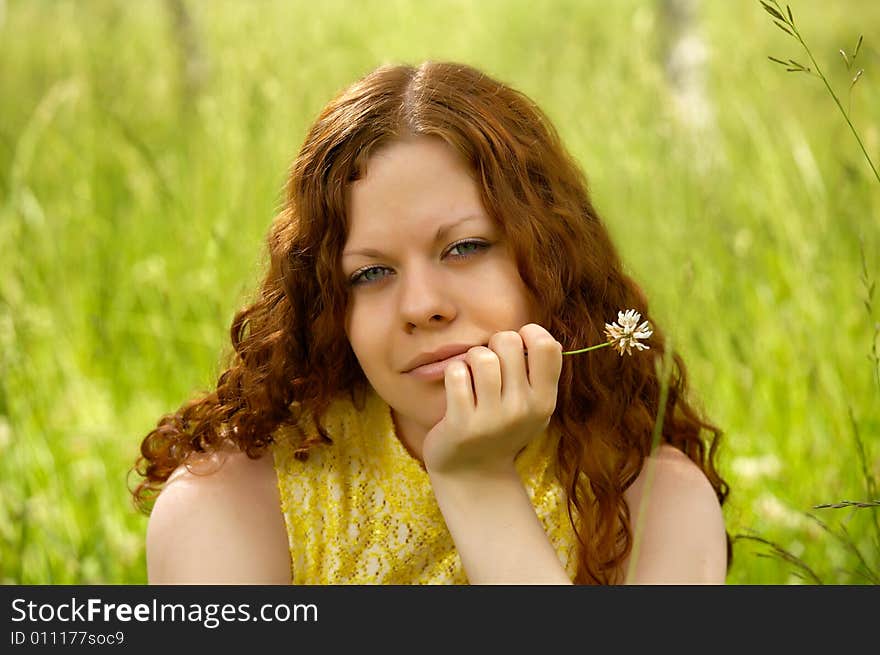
{"type": "Point", "coordinates": [428, 270]}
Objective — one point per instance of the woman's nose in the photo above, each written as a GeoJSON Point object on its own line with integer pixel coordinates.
{"type": "Point", "coordinates": [425, 298]}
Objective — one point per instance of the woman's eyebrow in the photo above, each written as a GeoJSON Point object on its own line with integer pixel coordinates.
{"type": "Point", "coordinates": [441, 232]}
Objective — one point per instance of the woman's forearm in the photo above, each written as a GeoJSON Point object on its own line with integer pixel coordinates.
{"type": "Point", "coordinates": [495, 529]}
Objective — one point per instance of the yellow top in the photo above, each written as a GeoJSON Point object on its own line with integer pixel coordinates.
{"type": "Point", "coordinates": [361, 510]}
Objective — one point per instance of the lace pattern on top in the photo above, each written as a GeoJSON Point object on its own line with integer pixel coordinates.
{"type": "Point", "coordinates": [361, 510]}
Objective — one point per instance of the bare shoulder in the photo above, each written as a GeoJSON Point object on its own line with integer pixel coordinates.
{"type": "Point", "coordinates": [678, 523]}
{"type": "Point", "coordinates": [219, 521]}
{"type": "Point", "coordinates": [669, 470]}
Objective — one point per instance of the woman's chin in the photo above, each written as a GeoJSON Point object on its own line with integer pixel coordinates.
{"type": "Point", "coordinates": [422, 416]}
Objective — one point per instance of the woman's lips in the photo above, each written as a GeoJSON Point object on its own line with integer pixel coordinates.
{"type": "Point", "coordinates": [434, 371]}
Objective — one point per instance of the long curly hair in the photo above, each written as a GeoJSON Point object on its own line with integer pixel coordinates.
{"type": "Point", "coordinates": [291, 353]}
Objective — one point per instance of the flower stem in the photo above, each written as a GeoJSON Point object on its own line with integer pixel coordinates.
{"type": "Point", "coordinates": [583, 350]}
{"type": "Point", "coordinates": [664, 372]}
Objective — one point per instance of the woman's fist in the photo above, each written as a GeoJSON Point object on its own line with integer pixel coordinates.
{"type": "Point", "coordinates": [497, 400]}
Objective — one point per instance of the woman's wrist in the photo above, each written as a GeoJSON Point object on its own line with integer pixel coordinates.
{"type": "Point", "coordinates": [476, 489]}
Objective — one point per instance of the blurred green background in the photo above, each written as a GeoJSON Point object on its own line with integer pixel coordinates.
{"type": "Point", "coordinates": [143, 150]}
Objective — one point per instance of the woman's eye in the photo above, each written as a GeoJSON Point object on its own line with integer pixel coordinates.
{"type": "Point", "coordinates": [467, 248]}
{"type": "Point", "coordinates": [368, 275]}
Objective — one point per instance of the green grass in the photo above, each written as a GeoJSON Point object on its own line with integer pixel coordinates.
{"type": "Point", "coordinates": [132, 220]}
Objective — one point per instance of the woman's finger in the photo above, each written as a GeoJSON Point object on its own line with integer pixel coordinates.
{"type": "Point", "coordinates": [545, 358]}
{"type": "Point", "coordinates": [485, 369]}
{"type": "Point", "coordinates": [459, 394]}
{"type": "Point", "coordinates": [509, 348]}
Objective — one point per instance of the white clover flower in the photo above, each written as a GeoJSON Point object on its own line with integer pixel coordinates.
{"type": "Point", "coordinates": [624, 335]}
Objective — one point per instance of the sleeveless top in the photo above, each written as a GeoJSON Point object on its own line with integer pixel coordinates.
{"type": "Point", "coordinates": [362, 511]}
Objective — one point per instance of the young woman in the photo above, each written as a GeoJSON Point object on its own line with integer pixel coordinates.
{"type": "Point", "coordinates": [398, 408]}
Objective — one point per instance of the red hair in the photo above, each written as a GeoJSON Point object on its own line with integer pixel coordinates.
{"type": "Point", "coordinates": [291, 353]}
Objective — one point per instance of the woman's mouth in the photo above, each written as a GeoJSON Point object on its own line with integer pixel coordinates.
{"type": "Point", "coordinates": [435, 370]}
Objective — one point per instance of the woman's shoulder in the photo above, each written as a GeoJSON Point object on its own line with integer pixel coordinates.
{"type": "Point", "coordinates": [218, 521]}
{"type": "Point", "coordinates": [225, 466]}
{"type": "Point", "coordinates": [677, 520]}
{"type": "Point", "coordinates": [669, 469]}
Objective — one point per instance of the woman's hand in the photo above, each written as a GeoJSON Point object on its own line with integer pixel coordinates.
{"type": "Point", "coordinates": [497, 401]}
